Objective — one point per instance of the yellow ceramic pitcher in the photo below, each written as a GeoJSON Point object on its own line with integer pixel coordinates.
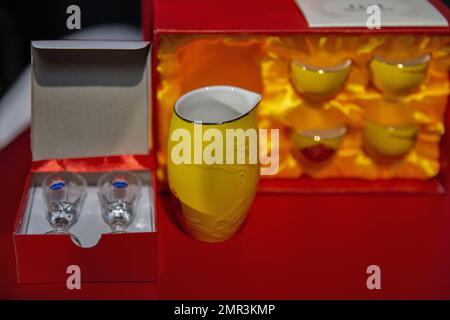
{"type": "Point", "coordinates": [213, 166]}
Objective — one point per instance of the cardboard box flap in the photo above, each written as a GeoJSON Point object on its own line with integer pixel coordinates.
{"type": "Point", "coordinates": [90, 99]}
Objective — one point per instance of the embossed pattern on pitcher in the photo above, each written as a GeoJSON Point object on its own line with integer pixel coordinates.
{"type": "Point", "coordinates": [224, 226]}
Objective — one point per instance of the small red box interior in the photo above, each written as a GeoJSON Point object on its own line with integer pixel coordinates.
{"type": "Point", "coordinates": [122, 257]}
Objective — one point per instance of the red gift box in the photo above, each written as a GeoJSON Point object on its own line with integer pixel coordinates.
{"type": "Point", "coordinates": [174, 19]}
{"type": "Point", "coordinates": [313, 236]}
{"type": "Point", "coordinates": [90, 106]}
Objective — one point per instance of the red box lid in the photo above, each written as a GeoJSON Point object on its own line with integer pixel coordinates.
{"type": "Point", "coordinates": [253, 16]}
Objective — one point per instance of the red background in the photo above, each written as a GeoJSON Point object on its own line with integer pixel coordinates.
{"type": "Point", "coordinates": [293, 246]}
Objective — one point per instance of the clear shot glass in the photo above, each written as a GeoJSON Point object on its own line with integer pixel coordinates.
{"type": "Point", "coordinates": [64, 193]}
{"type": "Point", "coordinates": [119, 193]}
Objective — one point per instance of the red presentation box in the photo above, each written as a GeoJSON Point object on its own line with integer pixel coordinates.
{"type": "Point", "coordinates": [175, 21]}
{"type": "Point", "coordinates": [90, 114]}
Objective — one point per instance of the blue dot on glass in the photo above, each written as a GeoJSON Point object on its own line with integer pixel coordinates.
{"type": "Point", "coordinates": [120, 184]}
{"type": "Point", "coordinates": [57, 185]}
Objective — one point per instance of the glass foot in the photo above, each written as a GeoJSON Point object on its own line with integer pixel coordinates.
{"type": "Point", "coordinates": [61, 232]}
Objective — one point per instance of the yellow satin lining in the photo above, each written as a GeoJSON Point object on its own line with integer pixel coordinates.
{"type": "Point", "coordinates": [262, 64]}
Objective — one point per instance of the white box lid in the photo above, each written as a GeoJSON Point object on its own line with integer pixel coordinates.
{"type": "Point", "coordinates": [90, 99]}
{"type": "Point", "coordinates": [351, 13]}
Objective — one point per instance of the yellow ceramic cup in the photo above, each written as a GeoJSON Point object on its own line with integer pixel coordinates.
{"type": "Point", "coordinates": [390, 141]}
{"type": "Point", "coordinates": [318, 145]}
{"type": "Point", "coordinates": [317, 82]}
{"type": "Point", "coordinates": [214, 187]}
{"type": "Point", "coordinates": [398, 77]}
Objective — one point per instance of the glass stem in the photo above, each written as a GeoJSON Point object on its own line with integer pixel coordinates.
{"type": "Point", "coordinates": [118, 228]}
{"type": "Point", "coordinates": [62, 226]}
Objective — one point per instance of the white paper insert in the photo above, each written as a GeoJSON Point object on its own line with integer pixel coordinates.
{"type": "Point", "coordinates": [353, 13]}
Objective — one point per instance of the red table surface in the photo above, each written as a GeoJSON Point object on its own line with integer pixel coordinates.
{"type": "Point", "coordinates": [293, 246]}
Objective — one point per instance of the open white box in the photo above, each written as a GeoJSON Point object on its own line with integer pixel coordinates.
{"type": "Point", "coordinates": [90, 114]}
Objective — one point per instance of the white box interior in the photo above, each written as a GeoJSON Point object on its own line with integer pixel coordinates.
{"type": "Point", "coordinates": [90, 224]}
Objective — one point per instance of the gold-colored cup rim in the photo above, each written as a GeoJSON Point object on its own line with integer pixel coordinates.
{"type": "Point", "coordinates": [394, 127]}
{"type": "Point", "coordinates": [404, 63]}
{"type": "Point", "coordinates": [333, 69]}
{"type": "Point", "coordinates": [323, 134]}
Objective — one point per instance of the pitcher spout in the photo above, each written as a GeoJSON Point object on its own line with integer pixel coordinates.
{"type": "Point", "coordinates": [216, 104]}
{"type": "Point", "coordinates": [253, 98]}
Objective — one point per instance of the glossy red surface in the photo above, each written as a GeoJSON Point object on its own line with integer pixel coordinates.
{"type": "Point", "coordinates": [44, 258]}
{"type": "Point", "coordinates": [293, 246]}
